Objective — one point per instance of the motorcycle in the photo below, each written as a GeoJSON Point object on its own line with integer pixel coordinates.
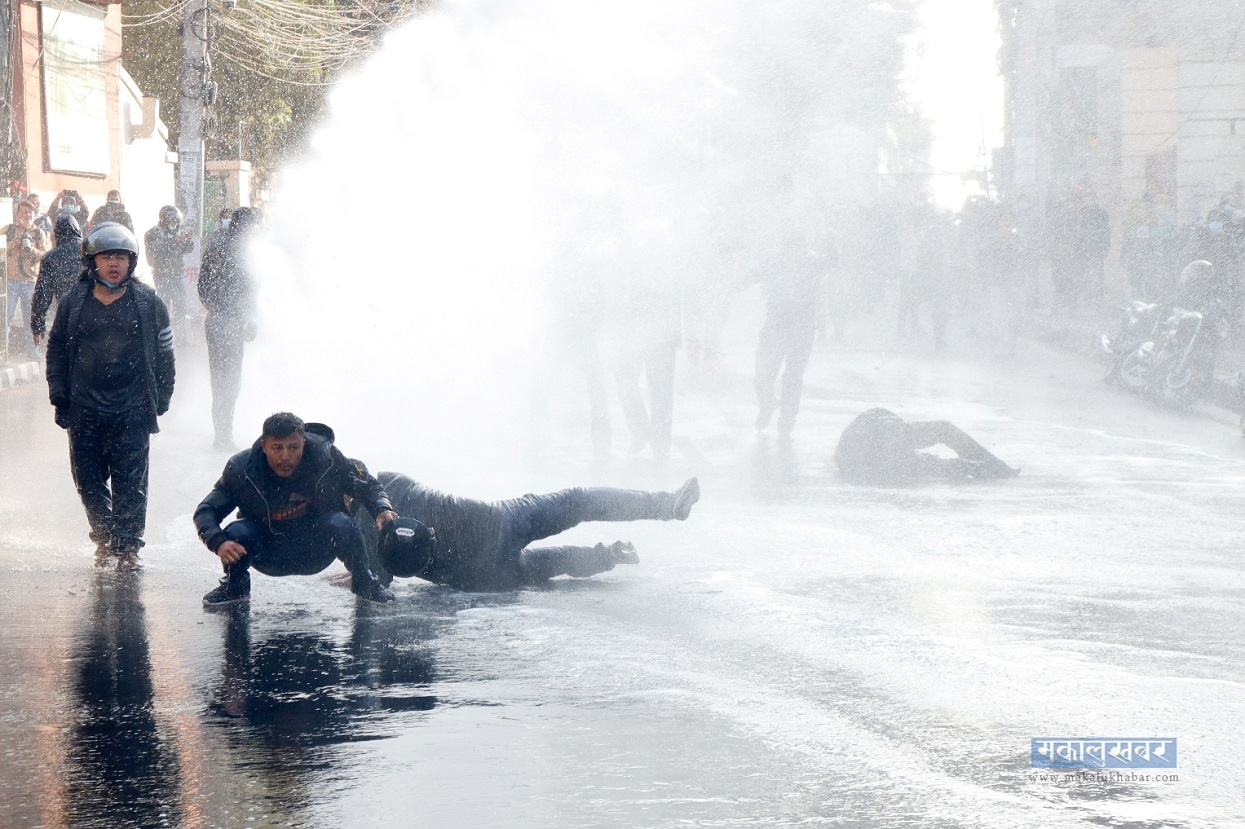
{"type": "Point", "coordinates": [1178, 360]}
{"type": "Point", "coordinates": [1141, 324]}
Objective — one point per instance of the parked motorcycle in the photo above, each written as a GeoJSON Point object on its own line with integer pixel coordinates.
{"type": "Point", "coordinates": [1140, 325]}
{"type": "Point", "coordinates": [1178, 358]}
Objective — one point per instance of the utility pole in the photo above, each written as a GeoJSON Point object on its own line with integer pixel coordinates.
{"type": "Point", "coordinates": [193, 94]}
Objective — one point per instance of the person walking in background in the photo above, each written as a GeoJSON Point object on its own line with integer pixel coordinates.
{"type": "Point", "coordinates": [227, 291]}
{"type": "Point", "coordinates": [648, 334]}
{"type": "Point", "coordinates": [113, 210]}
{"type": "Point", "coordinates": [1092, 229]}
{"type": "Point", "coordinates": [786, 339]}
{"type": "Point", "coordinates": [167, 243]}
{"type": "Point", "coordinates": [110, 375]}
{"type": "Point", "coordinates": [26, 246]}
{"type": "Point", "coordinates": [220, 233]}
{"type": "Point", "coordinates": [59, 271]}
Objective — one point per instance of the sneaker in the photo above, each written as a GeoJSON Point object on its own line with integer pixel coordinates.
{"type": "Point", "coordinates": [225, 594]}
{"type": "Point", "coordinates": [103, 555]}
{"type": "Point", "coordinates": [623, 552]}
{"type": "Point", "coordinates": [376, 594]}
{"type": "Point", "coordinates": [687, 495]}
{"type": "Point", "coordinates": [128, 560]}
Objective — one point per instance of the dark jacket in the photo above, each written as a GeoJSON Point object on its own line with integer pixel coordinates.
{"type": "Point", "coordinates": [245, 486]}
{"type": "Point", "coordinates": [225, 284]}
{"type": "Point", "coordinates": [59, 269]}
{"type": "Point", "coordinates": [108, 213]}
{"type": "Point", "coordinates": [154, 329]}
{"type": "Point", "coordinates": [468, 552]}
{"type": "Point", "coordinates": [165, 252]}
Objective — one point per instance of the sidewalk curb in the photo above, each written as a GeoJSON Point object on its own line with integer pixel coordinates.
{"type": "Point", "coordinates": [20, 374]}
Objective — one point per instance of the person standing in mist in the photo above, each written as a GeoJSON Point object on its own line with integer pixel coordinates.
{"type": "Point", "coordinates": [648, 333]}
{"type": "Point", "coordinates": [227, 291]}
{"type": "Point", "coordinates": [786, 339]}
{"type": "Point", "coordinates": [110, 374]}
{"type": "Point", "coordinates": [167, 243]}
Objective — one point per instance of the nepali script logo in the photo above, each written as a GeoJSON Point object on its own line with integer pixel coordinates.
{"type": "Point", "coordinates": [1102, 752]}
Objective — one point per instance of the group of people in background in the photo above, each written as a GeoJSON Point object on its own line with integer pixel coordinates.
{"type": "Point", "coordinates": [46, 259]}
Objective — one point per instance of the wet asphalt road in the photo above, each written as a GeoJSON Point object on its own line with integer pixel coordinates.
{"type": "Point", "coordinates": [801, 652]}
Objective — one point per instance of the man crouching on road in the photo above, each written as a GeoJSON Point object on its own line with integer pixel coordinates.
{"type": "Point", "coordinates": [289, 489]}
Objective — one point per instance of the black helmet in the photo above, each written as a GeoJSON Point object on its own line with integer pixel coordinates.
{"type": "Point", "coordinates": [109, 236]}
{"type": "Point", "coordinates": [406, 547]}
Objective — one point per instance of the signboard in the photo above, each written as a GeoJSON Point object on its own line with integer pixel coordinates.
{"type": "Point", "coordinates": [75, 99]}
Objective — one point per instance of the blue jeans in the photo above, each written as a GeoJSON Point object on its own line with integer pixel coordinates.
{"type": "Point", "coordinates": [23, 292]}
{"type": "Point", "coordinates": [533, 517]}
{"type": "Point", "coordinates": [301, 551]}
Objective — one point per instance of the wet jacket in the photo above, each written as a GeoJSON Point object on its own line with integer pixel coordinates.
{"type": "Point", "coordinates": [108, 213]}
{"type": "Point", "coordinates": [225, 285]}
{"type": "Point", "coordinates": [155, 332]}
{"type": "Point", "coordinates": [468, 552]}
{"type": "Point", "coordinates": [59, 269]}
{"type": "Point", "coordinates": [247, 486]}
{"type": "Point", "coordinates": [165, 252]}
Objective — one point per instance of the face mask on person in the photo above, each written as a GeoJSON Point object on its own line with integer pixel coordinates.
{"type": "Point", "coordinates": [114, 202]}
{"type": "Point", "coordinates": [69, 207]}
{"type": "Point", "coordinates": [224, 223]}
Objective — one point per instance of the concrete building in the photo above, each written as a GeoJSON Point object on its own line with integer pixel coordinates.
{"type": "Point", "coordinates": [1143, 102]}
{"type": "Point", "coordinates": [74, 118]}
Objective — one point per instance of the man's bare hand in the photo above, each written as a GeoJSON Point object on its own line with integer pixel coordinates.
{"type": "Point", "coordinates": [383, 519]}
{"type": "Point", "coordinates": [230, 552]}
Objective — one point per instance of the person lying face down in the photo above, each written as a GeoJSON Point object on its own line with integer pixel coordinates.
{"type": "Point", "coordinates": [483, 545]}
{"type": "Point", "coordinates": [880, 447]}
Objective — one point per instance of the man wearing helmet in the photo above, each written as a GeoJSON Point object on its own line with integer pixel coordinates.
{"type": "Point", "coordinates": [166, 244]}
{"type": "Point", "coordinates": [110, 375]}
{"type": "Point", "coordinates": [483, 545]}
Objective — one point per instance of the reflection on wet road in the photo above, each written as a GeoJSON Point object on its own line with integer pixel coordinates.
{"type": "Point", "coordinates": [801, 652]}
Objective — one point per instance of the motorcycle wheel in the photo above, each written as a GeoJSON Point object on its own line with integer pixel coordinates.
{"type": "Point", "coordinates": [1175, 381]}
{"type": "Point", "coordinates": [1134, 373]}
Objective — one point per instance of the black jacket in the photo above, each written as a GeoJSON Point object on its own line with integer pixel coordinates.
{"type": "Point", "coordinates": [165, 252]}
{"type": "Point", "coordinates": [59, 269]}
{"type": "Point", "coordinates": [245, 486]}
{"type": "Point", "coordinates": [225, 284]}
{"type": "Point", "coordinates": [154, 329]}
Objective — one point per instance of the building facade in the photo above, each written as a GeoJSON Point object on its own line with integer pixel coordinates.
{"type": "Point", "coordinates": [1141, 102]}
{"type": "Point", "coordinates": [73, 117]}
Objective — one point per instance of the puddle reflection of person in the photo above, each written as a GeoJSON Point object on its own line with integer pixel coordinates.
{"type": "Point", "coordinates": [122, 768]}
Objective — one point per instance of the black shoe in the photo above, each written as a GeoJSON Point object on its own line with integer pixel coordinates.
{"type": "Point", "coordinates": [103, 555]}
{"type": "Point", "coordinates": [687, 495]}
{"type": "Point", "coordinates": [128, 560]}
{"type": "Point", "coordinates": [226, 594]}
{"type": "Point", "coordinates": [375, 594]}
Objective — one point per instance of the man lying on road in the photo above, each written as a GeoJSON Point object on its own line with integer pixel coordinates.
{"type": "Point", "coordinates": [479, 545]}
{"type": "Point", "coordinates": [880, 447]}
